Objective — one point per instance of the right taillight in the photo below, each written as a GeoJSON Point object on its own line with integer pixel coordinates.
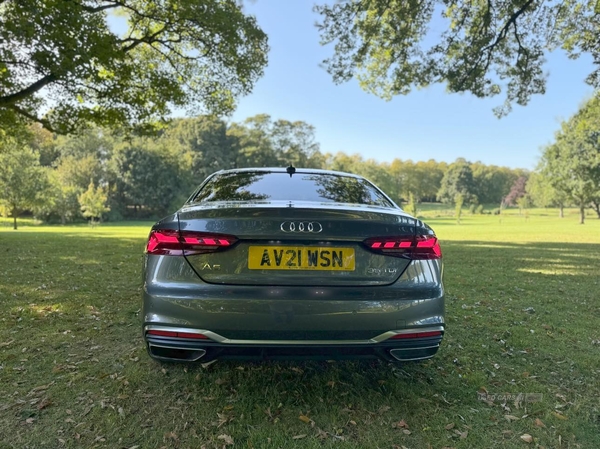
{"type": "Point", "coordinates": [170, 242]}
{"type": "Point", "coordinates": [408, 246]}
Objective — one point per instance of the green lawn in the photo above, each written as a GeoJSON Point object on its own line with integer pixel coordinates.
{"type": "Point", "coordinates": [523, 317]}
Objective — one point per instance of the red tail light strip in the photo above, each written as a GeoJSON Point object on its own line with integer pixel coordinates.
{"type": "Point", "coordinates": [416, 335]}
{"type": "Point", "coordinates": [174, 243]}
{"type": "Point", "coordinates": [410, 247]}
{"type": "Point", "coordinates": [177, 334]}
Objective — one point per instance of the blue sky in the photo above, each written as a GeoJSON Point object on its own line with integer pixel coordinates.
{"type": "Point", "coordinates": [422, 125]}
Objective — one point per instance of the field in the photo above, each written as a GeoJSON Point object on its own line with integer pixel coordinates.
{"type": "Point", "coordinates": [522, 312]}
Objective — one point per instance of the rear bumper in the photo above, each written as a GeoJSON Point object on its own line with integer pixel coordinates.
{"type": "Point", "coordinates": [290, 321]}
{"type": "Point", "coordinates": [383, 346]}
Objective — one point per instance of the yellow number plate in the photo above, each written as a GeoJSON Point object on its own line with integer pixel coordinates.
{"type": "Point", "coordinates": [300, 258]}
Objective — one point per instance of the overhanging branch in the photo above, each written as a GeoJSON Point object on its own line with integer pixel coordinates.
{"type": "Point", "coordinates": [11, 99]}
{"type": "Point", "coordinates": [45, 123]}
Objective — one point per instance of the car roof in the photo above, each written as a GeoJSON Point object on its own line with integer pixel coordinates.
{"type": "Point", "coordinates": [284, 170]}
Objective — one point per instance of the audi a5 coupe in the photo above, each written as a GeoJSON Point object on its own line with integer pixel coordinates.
{"type": "Point", "coordinates": [291, 263]}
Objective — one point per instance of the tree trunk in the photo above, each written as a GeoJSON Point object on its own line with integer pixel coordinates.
{"type": "Point", "coordinates": [561, 211]}
{"type": "Point", "coordinates": [14, 221]}
{"type": "Point", "coordinates": [596, 207]}
{"type": "Point", "coordinates": [581, 213]}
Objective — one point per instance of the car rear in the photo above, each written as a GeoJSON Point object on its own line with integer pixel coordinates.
{"type": "Point", "coordinates": [264, 263]}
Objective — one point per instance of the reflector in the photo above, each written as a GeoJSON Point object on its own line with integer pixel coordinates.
{"type": "Point", "coordinates": [417, 335]}
{"type": "Point", "coordinates": [193, 335]}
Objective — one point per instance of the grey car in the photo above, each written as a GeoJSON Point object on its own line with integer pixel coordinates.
{"type": "Point", "coordinates": [291, 263]}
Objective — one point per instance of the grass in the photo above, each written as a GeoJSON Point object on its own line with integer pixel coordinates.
{"type": "Point", "coordinates": [522, 312]}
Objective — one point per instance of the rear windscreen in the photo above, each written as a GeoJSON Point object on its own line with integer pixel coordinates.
{"type": "Point", "coordinates": [268, 186]}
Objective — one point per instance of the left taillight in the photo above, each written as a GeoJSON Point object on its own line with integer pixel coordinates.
{"type": "Point", "coordinates": [409, 247]}
{"type": "Point", "coordinates": [170, 242]}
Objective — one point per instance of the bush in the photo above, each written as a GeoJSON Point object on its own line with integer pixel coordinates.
{"type": "Point", "coordinates": [497, 211]}
{"type": "Point", "coordinates": [479, 209]}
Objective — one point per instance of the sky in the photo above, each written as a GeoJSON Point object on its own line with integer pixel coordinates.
{"type": "Point", "coordinates": [426, 124]}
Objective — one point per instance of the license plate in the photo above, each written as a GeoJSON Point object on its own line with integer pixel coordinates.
{"type": "Point", "coordinates": [312, 258]}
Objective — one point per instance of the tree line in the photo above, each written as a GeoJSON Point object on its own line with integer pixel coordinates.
{"type": "Point", "coordinates": [114, 174]}
{"type": "Point", "coordinates": [109, 174]}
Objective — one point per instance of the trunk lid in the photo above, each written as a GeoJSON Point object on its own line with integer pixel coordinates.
{"type": "Point", "coordinates": [296, 243]}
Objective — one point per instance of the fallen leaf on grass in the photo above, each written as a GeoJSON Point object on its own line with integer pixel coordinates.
{"type": "Point", "coordinates": [171, 436]}
{"type": "Point", "coordinates": [383, 409]}
{"type": "Point", "coordinates": [44, 403]}
{"type": "Point", "coordinates": [29, 420]}
{"type": "Point", "coordinates": [305, 419]}
{"type": "Point", "coordinates": [538, 422]}
{"type": "Point", "coordinates": [226, 438]}
{"type": "Point", "coordinates": [462, 435]}
{"type": "Point", "coordinates": [449, 426]}
{"type": "Point", "coordinates": [299, 437]}
{"type": "Point", "coordinates": [560, 416]}
{"type": "Point", "coordinates": [527, 438]}
{"type": "Point", "coordinates": [207, 364]}
{"type": "Point", "coordinates": [6, 343]}
{"type": "Point", "coordinates": [41, 388]}
{"type": "Point", "coordinates": [510, 418]}
{"type": "Point", "coordinates": [400, 425]}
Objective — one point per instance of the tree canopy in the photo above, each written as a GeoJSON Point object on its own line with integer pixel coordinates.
{"type": "Point", "coordinates": [63, 63]}
{"type": "Point", "coordinates": [572, 162]}
{"type": "Point", "coordinates": [22, 179]}
{"type": "Point", "coordinates": [484, 47]}
{"type": "Point", "coordinates": [142, 177]}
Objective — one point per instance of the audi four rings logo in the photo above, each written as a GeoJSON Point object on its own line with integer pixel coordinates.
{"type": "Point", "coordinates": [313, 227]}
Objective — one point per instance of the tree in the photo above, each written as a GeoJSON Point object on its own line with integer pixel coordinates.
{"type": "Point", "coordinates": [458, 180]}
{"type": "Point", "coordinates": [572, 163]}
{"type": "Point", "coordinates": [252, 141]}
{"type": "Point", "coordinates": [93, 202]}
{"type": "Point", "coordinates": [492, 183]}
{"type": "Point", "coordinates": [22, 179]}
{"type": "Point", "coordinates": [482, 47]}
{"type": "Point", "coordinates": [543, 194]}
{"type": "Point", "coordinates": [294, 143]}
{"type": "Point", "coordinates": [459, 200]}
{"type": "Point", "coordinates": [59, 198]}
{"type": "Point", "coordinates": [517, 191]}
{"type": "Point", "coordinates": [62, 56]}
{"type": "Point", "coordinates": [205, 139]}
{"type": "Point", "coordinates": [149, 175]}
{"type": "Point", "coordinates": [411, 206]}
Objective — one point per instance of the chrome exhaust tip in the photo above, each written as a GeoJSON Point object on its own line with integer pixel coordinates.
{"type": "Point", "coordinates": [174, 354]}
